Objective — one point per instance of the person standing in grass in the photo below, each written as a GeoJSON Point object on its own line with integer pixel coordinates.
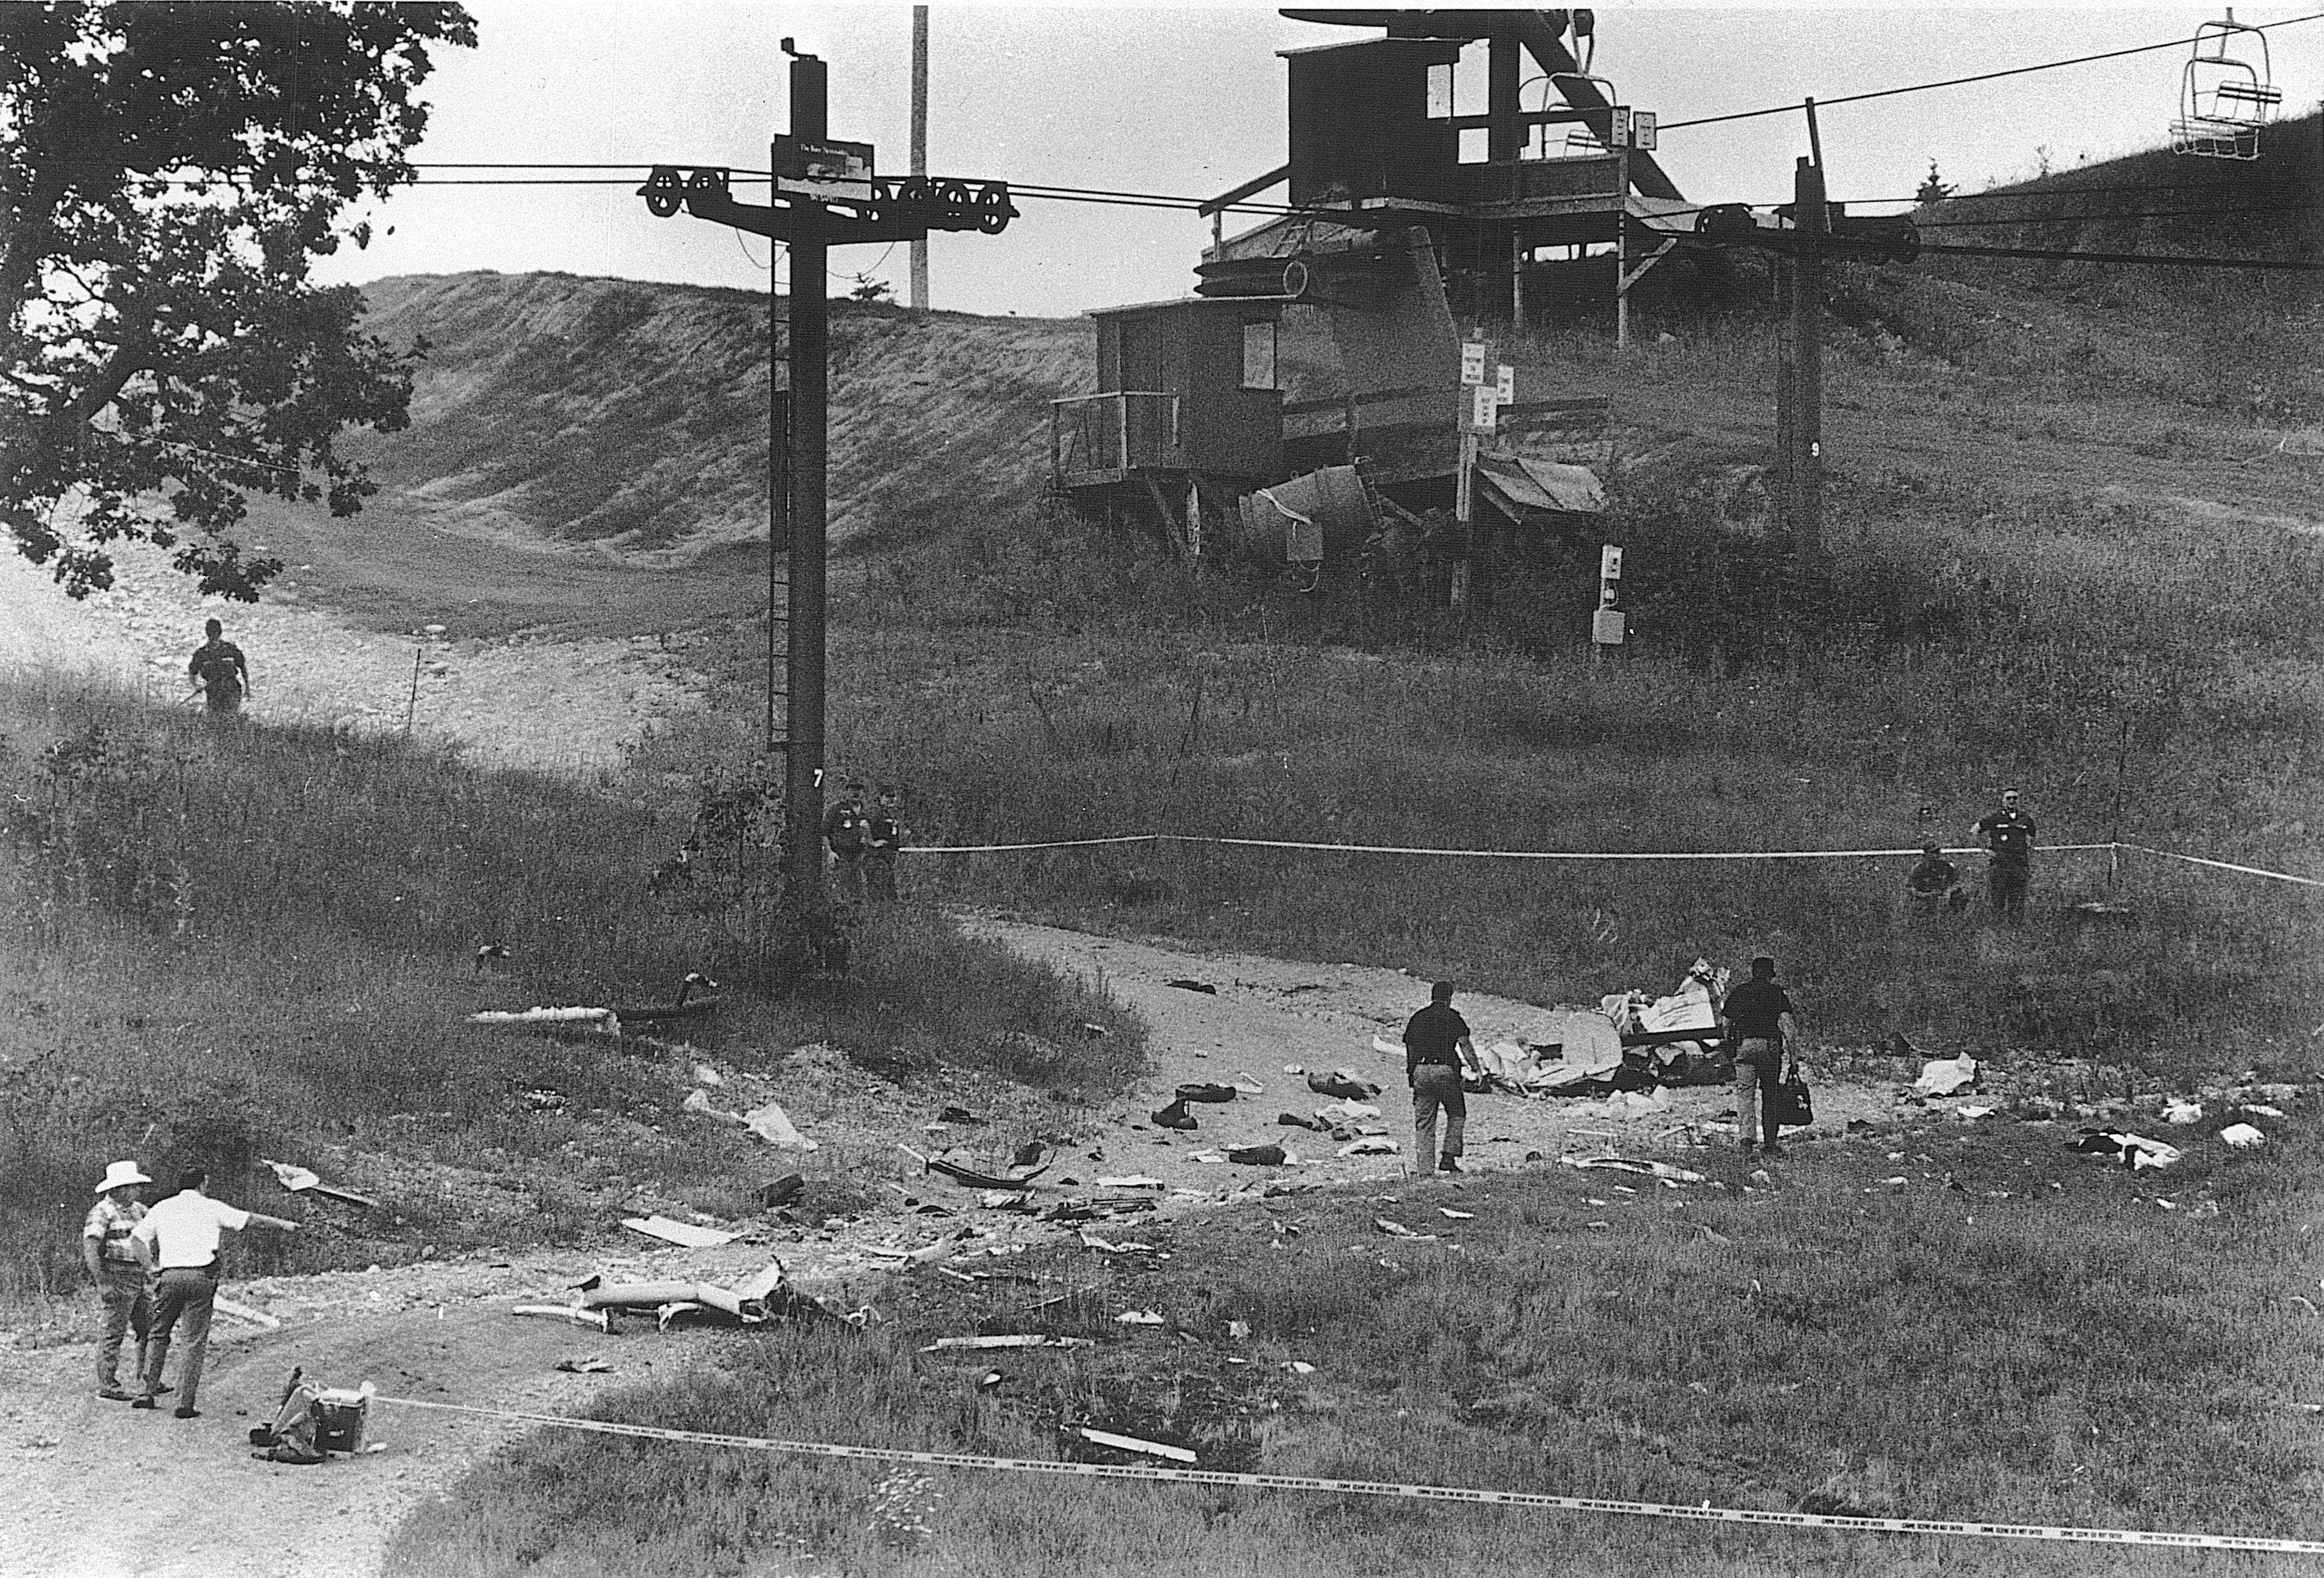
{"type": "Point", "coordinates": [118, 1264]}
{"type": "Point", "coordinates": [1934, 884]}
{"type": "Point", "coordinates": [219, 672]}
{"type": "Point", "coordinates": [1755, 1017]}
{"type": "Point", "coordinates": [182, 1234]}
{"type": "Point", "coordinates": [2007, 837]}
{"type": "Point", "coordinates": [883, 840]}
{"type": "Point", "coordinates": [843, 829]}
{"type": "Point", "coordinates": [1437, 1047]}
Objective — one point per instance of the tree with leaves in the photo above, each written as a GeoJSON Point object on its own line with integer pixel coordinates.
{"type": "Point", "coordinates": [1934, 190]}
{"type": "Point", "coordinates": [168, 172]}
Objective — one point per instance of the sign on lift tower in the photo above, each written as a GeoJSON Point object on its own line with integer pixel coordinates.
{"type": "Point", "coordinates": [825, 194]}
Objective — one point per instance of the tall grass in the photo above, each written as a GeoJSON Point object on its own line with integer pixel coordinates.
{"type": "Point", "coordinates": [2141, 678]}
{"type": "Point", "coordinates": [228, 944]}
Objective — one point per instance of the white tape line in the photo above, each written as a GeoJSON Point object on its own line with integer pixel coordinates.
{"type": "Point", "coordinates": [1470, 854]}
{"type": "Point", "coordinates": [1007, 848]}
{"type": "Point", "coordinates": [2227, 866]}
{"type": "Point", "coordinates": [1704, 1514]}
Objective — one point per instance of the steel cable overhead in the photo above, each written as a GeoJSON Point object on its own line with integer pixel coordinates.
{"type": "Point", "coordinates": [2177, 43]}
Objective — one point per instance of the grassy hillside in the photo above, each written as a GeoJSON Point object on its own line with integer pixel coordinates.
{"type": "Point", "coordinates": [634, 416]}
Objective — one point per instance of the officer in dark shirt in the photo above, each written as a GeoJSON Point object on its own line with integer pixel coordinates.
{"type": "Point", "coordinates": [883, 839]}
{"type": "Point", "coordinates": [843, 829]}
{"type": "Point", "coordinates": [1934, 884]}
{"type": "Point", "coordinates": [2007, 835]}
{"type": "Point", "coordinates": [1436, 1045]}
{"type": "Point", "coordinates": [1754, 1016]}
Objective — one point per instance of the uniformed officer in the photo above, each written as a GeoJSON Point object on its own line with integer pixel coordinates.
{"type": "Point", "coordinates": [2008, 837]}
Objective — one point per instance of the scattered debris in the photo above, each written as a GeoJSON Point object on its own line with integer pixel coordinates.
{"type": "Point", "coordinates": [244, 1312]}
{"type": "Point", "coordinates": [2243, 1136]}
{"type": "Point", "coordinates": [1447, 1211]}
{"type": "Point", "coordinates": [1238, 1330]}
{"type": "Point", "coordinates": [2134, 1151]}
{"type": "Point", "coordinates": [1020, 1340]}
{"type": "Point", "coordinates": [1247, 1086]}
{"type": "Point", "coordinates": [1094, 1241]}
{"type": "Point", "coordinates": [1398, 1229]}
{"type": "Point", "coordinates": [1131, 1444]}
{"type": "Point", "coordinates": [1132, 1181]}
{"type": "Point", "coordinates": [1206, 1093]}
{"type": "Point", "coordinates": [1942, 1076]}
{"type": "Point", "coordinates": [2182, 1112]}
{"type": "Point", "coordinates": [782, 1192]}
{"type": "Point", "coordinates": [1344, 1112]}
{"type": "Point", "coordinates": [1295, 1121]}
{"type": "Point", "coordinates": [1175, 1116]}
{"type": "Point", "coordinates": [594, 1021]}
{"type": "Point", "coordinates": [1652, 1169]}
{"type": "Point", "coordinates": [1300, 1367]}
{"type": "Point", "coordinates": [1256, 1155]}
{"type": "Point", "coordinates": [1141, 1317]}
{"type": "Point", "coordinates": [590, 1364]}
{"type": "Point", "coordinates": [969, 1175]}
{"type": "Point", "coordinates": [773, 1125]}
{"type": "Point", "coordinates": [1202, 986]}
{"type": "Point", "coordinates": [1369, 1145]}
{"type": "Point", "coordinates": [684, 1233]}
{"type": "Point", "coordinates": [300, 1181]}
{"type": "Point", "coordinates": [705, 1075]}
{"type": "Point", "coordinates": [1345, 1083]}
{"type": "Point", "coordinates": [957, 1115]}
{"type": "Point", "coordinates": [1971, 1114]}
{"type": "Point", "coordinates": [2258, 1110]}
{"type": "Point", "coordinates": [567, 1312]}
{"type": "Point", "coordinates": [926, 1255]}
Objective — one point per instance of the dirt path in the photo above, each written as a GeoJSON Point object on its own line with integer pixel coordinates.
{"type": "Point", "coordinates": [1266, 1015]}
{"type": "Point", "coordinates": [507, 703]}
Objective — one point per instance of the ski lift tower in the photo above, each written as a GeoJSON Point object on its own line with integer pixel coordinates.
{"type": "Point", "coordinates": [825, 194]}
{"type": "Point", "coordinates": [2227, 94]}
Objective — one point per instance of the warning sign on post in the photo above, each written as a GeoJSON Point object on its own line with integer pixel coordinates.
{"type": "Point", "coordinates": [1484, 410]}
{"type": "Point", "coordinates": [1505, 383]}
{"type": "Point", "coordinates": [1472, 363]}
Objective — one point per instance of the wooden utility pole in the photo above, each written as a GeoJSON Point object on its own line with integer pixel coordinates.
{"type": "Point", "coordinates": [921, 146]}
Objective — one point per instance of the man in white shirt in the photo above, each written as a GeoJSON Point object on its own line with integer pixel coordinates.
{"type": "Point", "coordinates": [182, 1234]}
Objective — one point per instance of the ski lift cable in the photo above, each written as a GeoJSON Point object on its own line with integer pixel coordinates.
{"type": "Point", "coordinates": [1822, 103]}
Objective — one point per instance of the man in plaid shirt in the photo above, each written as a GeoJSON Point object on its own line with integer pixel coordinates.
{"type": "Point", "coordinates": [119, 1266]}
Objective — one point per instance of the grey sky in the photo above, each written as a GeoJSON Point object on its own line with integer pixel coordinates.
{"type": "Point", "coordinates": [1192, 101]}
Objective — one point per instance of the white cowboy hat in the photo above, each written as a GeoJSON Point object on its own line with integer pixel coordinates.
{"type": "Point", "coordinates": [120, 1174]}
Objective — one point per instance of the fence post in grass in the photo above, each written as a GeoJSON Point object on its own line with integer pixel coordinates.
{"type": "Point", "coordinates": [411, 705]}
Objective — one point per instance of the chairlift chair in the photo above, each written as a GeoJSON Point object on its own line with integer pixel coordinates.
{"type": "Point", "coordinates": [2227, 94]}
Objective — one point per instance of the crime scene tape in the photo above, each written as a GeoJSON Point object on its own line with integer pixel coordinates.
{"type": "Point", "coordinates": [1469, 853]}
{"type": "Point", "coordinates": [1705, 1513]}
{"type": "Point", "coordinates": [2226, 865]}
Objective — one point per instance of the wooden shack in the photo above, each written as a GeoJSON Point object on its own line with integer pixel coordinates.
{"type": "Point", "coordinates": [1189, 403]}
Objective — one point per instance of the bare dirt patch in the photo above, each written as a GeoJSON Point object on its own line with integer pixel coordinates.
{"type": "Point", "coordinates": [505, 702]}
